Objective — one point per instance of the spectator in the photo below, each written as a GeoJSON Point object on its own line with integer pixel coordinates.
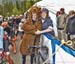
{"type": "Point", "coordinates": [1, 18]}
{"type": "Point", "coordinates": [1, 37]}
{"type": "Point", "coordinates": [71, 24]}
{"type": "Point", "coordinates": [57, 15]}
{"type": "Point", "coordinates": [6, 43]}
{"type": "Point", "coordinates": [21, 32]}
{"type": "Point", "coordinates": [61, 24]}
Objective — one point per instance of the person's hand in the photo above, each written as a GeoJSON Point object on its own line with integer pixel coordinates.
{"type": "Point", "coordinates": [38, 32]}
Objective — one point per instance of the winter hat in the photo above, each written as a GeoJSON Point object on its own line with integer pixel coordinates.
{"type": "Point", "coordinates": [61, 9]}
{"type": "Point", "coordinates": [45, 10]}
{"type": "Point", "coordinates": [34, 9]}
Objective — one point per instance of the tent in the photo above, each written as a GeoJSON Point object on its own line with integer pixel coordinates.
{"type": "Point", "coordinates": [54, 5]}
{"type": "Point", "coordinates": [64, 55]}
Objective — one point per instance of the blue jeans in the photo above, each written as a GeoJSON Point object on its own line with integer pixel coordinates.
{"type": "Point", "coordinates": [23, 59]}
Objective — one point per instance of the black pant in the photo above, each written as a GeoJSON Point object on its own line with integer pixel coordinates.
{"type": "Point", "coordinates": [24, 59]}
{"type": "Point", "coordinates": [68, 36]}
{"type": "Point", "coordinates": [32, 56]}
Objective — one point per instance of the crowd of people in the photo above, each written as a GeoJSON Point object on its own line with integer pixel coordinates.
{"type": "Point", "coordinates": [30, 28]}
{"type": "Point", "coordinates": [11, 29]}
{"type": "Point", "coordinates": [65, 25]}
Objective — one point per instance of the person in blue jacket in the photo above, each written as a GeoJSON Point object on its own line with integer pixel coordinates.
{"type": "Point", "coordinates": [1, 36]}
{"type": "Point", "coordinates": [47, 28]}
{"type": "Point", "coordinates": [47, 23]}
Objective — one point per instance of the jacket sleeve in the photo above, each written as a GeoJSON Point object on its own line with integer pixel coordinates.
{"type": "Point", "coordinates": [39, 25]}
{"type": "Point", "coordinates": [29, 28]}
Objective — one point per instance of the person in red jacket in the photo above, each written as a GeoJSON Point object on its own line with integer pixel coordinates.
{"type": "Point", "coordinates": [6, 43]}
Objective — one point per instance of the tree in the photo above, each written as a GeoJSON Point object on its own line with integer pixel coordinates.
{"type": "Point", "coordinates": [18, 5]}
{"type": "Point", "coordinates": [15, 11]}
{"type": "Point", "coordinates": [8, 8]}
{"type": "Point", "coordinates": [1, 10]}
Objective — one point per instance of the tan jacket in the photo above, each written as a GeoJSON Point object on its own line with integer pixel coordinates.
{"type": "Point", "coordinates": [62, 20]}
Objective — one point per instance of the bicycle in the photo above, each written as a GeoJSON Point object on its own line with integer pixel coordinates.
{"type": "Point", "coordinates": [41, 55]}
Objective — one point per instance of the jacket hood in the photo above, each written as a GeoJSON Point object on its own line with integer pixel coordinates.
{"type": "Point", "coordinates": [36, 10]}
